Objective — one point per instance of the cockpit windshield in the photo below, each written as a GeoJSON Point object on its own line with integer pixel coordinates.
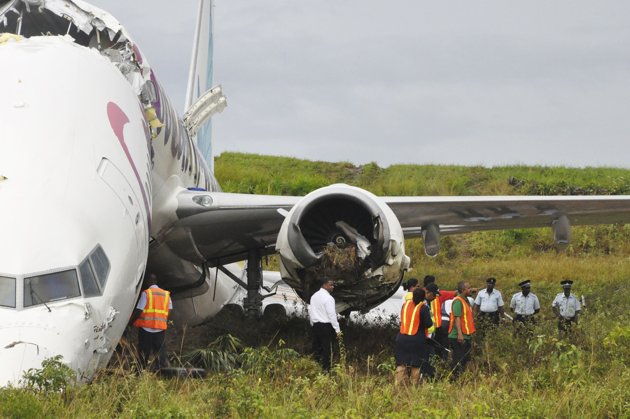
{"type": "Point", "coordinates": [52, 287]}
{"type": "Point", "coordinates": [89, 281]}
{"type": "Point", "coordinates": [7, 292]}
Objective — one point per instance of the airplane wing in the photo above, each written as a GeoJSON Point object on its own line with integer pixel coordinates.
{"type": "Point", "coordinates": [462, 214]}
{"type": "Point", "coordinates": [217, 227]}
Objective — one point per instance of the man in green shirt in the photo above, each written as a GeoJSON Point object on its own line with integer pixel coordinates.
{"type": "Point", "coordinates": [461, 328]}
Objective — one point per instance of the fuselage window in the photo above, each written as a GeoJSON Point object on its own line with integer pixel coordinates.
{"type": "Point", "coordinates": [100, 263]}
{"type": "Point", "coordinates": [7, 292]}
{"type": "Point", "coordinates": [88, 280]}
{"type": "Point", "coordinates": [52, 287]}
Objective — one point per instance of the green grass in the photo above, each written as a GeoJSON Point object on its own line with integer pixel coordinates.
{"type": "Point", "coordinates": [585, 375]}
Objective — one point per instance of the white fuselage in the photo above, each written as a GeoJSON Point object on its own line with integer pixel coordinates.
{"type": "Point", "coordinates": [71, 185]}
{"type": "Point", "coordinates": [76, 178]}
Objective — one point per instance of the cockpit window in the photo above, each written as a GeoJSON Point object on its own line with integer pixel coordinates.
{"type": "Point", "coordinates": [94, 271]}
{"type": "Point", "coordinates": [7, 292]}
{"type": "Point", "coordinates": [88, 280]}
{"type": "Point", "coordinates": [100, 263]}
{"type": "Point", "coordinates": [51, 287]}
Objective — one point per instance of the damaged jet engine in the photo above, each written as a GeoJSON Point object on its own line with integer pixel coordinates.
{"type": "Point", "coordinates": [346, 234]}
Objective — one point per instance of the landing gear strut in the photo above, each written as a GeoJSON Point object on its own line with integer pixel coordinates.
{"type": "Point", "coordinates": [253, 302]}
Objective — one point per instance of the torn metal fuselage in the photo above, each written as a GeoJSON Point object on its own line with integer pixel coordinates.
{"type": "Point", "coordinates": [88, 26]}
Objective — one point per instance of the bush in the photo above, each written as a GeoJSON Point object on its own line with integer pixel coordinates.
{"type": "Point", "coordinates": [53, 377]}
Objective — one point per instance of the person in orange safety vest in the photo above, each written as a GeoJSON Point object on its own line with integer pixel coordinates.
{"type": "Point", "coordinates": [151, 319]}
{"type": "Point", "coordinates": [411, 341]}
{"type": "Point", "coordinates": [439, 316]}
{"type": "Point", "coordinates": [461, 328]}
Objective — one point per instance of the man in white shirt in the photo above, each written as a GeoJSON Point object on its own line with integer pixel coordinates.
{"type": "Point", "coordinates": [323, 319]}
{"type": "Point", "coordinates": [489, 305]}
{"type": "Point", "coordinates": [525, 304]}
{"type": "Point", "coordinates": [566, 307]}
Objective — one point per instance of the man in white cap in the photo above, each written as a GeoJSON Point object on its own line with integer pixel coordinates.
{"type": "Point", "coordinates": [525, 304]}
{"type": "Point", "coordinates": [566, 307]}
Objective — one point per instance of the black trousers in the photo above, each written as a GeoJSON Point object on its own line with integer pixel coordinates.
{"type": "Point", "coordinates": [524, 324]}
{"type": "Point", "coordinates": [426, 368]}
{"type": "Point", "coordinates": [323, 338]}
{"type": "Point", "coordinates": [565, 324]}
{"type": "Point", "coordinates": [489, 318]}
{"type": "Point", "coordinates": [441, 337]}
{"type": "Point", "coordinates": [524, 318]}
{"type": "Point", "coordinates": [461, 355]}
{"type": "Point", "coordinates": [152, 343]}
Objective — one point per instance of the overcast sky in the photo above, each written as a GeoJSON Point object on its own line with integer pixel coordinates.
{"type": "Point", "coordinates": [407, 81]}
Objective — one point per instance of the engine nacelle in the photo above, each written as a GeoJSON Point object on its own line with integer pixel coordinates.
{"type": "Point", "coordinates": [346, 234]}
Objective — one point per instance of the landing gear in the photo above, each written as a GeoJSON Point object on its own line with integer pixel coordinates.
{"type": "Point", "coordinates": [253, 302]}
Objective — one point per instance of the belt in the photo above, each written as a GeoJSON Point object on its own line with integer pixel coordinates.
{"type": "Point", "coordinates": [447, 318]}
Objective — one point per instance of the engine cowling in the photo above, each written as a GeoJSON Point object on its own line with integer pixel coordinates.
{"type": "Point", "coordinates": [346, 234]}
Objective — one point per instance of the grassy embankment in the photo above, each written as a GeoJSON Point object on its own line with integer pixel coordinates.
{"type": "Point", "coordinates": [584, 376]}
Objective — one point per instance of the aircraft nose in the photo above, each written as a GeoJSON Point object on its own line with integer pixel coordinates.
{"type": "Point", "coordinates": [18, 354]}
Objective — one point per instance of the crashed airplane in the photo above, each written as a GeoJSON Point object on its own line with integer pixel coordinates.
{"type": "Point", "coordinates": [100, 181]}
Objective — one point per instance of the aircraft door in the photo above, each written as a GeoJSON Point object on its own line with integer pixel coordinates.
{"type": "Point", "coordinates": [114, 178]}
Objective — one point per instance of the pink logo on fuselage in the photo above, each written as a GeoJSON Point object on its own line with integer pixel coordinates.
{"type": "Point", "coordinates": [118, 119]}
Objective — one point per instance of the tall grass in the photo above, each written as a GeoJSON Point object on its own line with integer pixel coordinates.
{"type": "Point", "coordinates": [584, 375]}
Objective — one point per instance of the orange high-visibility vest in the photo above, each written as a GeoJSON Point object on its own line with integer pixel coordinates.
{"type": "Point", "coordinates": [467, 321]}
{"type": "Point", "coordinates": [436, 311]}
{"type": "Point", "coordinates": [410, 318]}
{"type": "Point", "coordinates": [155, 313]}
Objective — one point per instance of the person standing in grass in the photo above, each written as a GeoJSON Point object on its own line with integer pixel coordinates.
{"type": "Point", "coordinates": [439, 316]}
{"type": "Point", "coordinates": [151, 319]}
{"type": "Point", "coordinates": [461, 328]}
{"type": "Point", "coordinates": [411, 342]}
{"type": "Point", "coordinates": [427, 369]}
{"type": "Point", "coordinates": [525, 304]}
{"type": "Point", "coordinates": [488, 306]}
{"type": "Point", "coordinates": [323, 318]}
{"type": "Point", "coordinates": [566, 307]}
